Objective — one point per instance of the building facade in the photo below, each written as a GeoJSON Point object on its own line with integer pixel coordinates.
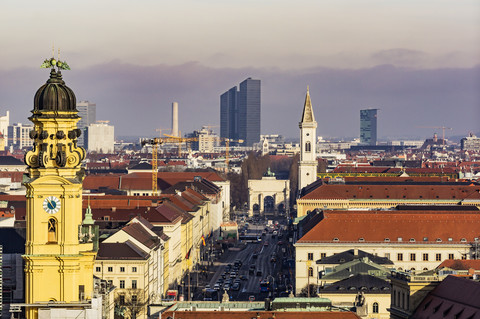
{"type": "Point", "coordinates": [4, 124]}
{"type": "Point", "coordinates": [100, 138]}
{"type": "Point", "coordinates": [368, 127]}
{"type": "Point", "coordinates": [240, 112]}
{"type": "Point", "coordinates": [88, 115]}
{"type": "Point", "coordinates": [18, 136]}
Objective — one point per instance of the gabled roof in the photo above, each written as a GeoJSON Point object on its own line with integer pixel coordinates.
{"type": "Point", "coordinates": [458, 264]}
{"type": "Point", "coordinates": [165, 214]}
{"type": "Point", "coordinates": [356, 267]}
{"type": "Point", "coordinates": [353, 285]}
{"type": "Point", "coordinates": [349, 255]}
{"type": "Point", "coordinates": [397, 226]}
{"type": "Point", "coordinates": [101, 181]}
{"type": "Point", "coordinates": [138, 232]}
{"type": "Point", "coordinates": [454, 297]}
{"type": "Point", "coordinates": [10, 160]}
{"type": "Point", "coordinates": [126, 250]}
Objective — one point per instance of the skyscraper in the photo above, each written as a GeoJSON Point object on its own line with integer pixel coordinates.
{"type": "Point", "coordinates": [368, 127]}
{"type": "Point", "coordinates": [240, 112]}
{"type": "Point", "coordinates": [88, 115]}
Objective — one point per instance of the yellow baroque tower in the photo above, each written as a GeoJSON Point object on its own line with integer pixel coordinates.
{"type": "Point", "coordinates": [60, 251]}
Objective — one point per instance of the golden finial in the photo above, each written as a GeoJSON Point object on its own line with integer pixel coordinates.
{"type": "Point", "coordinates": [58, 56]}
{"type": "Point", "coordinates": [307, 88]}
{"type": "Point", "coordinates": [53, 49]}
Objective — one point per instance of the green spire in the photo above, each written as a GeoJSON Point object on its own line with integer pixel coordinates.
{"type": "Point", "coordinates": [88, 217]}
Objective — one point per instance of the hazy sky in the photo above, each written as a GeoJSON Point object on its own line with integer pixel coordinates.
{"type": "Point", "coordinates": [133, 58]}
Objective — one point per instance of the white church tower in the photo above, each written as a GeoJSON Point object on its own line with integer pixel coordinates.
{"type": "Point", "coordinates": [307, 168]}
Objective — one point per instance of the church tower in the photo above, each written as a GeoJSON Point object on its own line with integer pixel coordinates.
{"type": "Point", "coordinates": [59, 252]}
{"type": "Point", "coordinates": [307, 167]}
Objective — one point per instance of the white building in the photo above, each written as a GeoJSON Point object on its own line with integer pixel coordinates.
{"type": "Point", "coordinates": [18, 135]}
{"type": "Point", "coordinates": [100, 137]}
{"type": "Point", "coordinates": [4, 123]}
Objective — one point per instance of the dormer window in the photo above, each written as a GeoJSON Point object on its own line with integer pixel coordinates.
{"type": "Point", "coordinates": [335, 239]}
{"type": "Point", "coordinates": [412, 240]}
{"type": "Point", "coordinates": [387, 240]}
{"type": "Point", "coordinates": [463, 240]}
{"type": "Point", "coordinates": [361, 239]}
{"type": "Point", "coordinates": [439, 240]}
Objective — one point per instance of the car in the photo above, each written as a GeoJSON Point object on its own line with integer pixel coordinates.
{"type": "Point", "coordinates": [280, 243]}
{"type": "Point", "coordinates": [237, 280]}
{"type": "Point", "coordinates": [216, 287]}
{"type": "Point", "coordinates": [243, 277]}
{"type": "Point", "coordinates": [266, 243]}
{"type": "Point", "coordinates": [259, 273]}
{"type": "Point", "coordinates": [226, 287]}
{"type": "Point", "coordinates": [207, 286]}
{"type": "Point", "coordinates": [254, 256]}
{"type": "Point", "coordinates": [251, 298]}
{"type": "Point", "coordinates": [273, 260]}
{"type": "Point", "coordinates": [236, 286]}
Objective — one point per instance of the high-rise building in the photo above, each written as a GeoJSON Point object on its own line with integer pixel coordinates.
{"type": "Point", "coordinates": [18, 135]}
{"type": "Point", "coordinates": [100, 137]}
{"type": "Point", "coordinates": [368, 127]}
{"type": "Point", "coordinates": [240, 112]}
{"type": "Point", "coordinates": [228, 114]}
{"type": "Point", "coordinates": [88, 115]}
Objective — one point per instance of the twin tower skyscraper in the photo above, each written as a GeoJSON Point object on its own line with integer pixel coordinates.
{"type": "Point", "coordinates": [240, 112]}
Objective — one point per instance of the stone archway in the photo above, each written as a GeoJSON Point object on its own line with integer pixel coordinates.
{"type": "Point", "coordinates": [269, 205]}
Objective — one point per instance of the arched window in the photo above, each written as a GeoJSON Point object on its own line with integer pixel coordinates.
{"type": "Point", "coordinates": [310, 272]}
{"type": "Point", "coordinates": [308, 147]}
{"type": "Point", "coordinates": [375, 307]}
{"type": "Point", "coordinates": [52, 230]}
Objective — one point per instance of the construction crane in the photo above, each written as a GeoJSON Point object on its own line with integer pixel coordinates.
{"type": "Point", "coordinates": [155, 142]}
{"type": "Point", "coordinates": [227, 147]}
{"type": "Point", "coordinates": [181, 140]}
{"type": "Point", "coordinates": [443, 131]}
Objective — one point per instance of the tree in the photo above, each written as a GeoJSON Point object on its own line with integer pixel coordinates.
{"type": "Point", "coordinates": [130, 303]}
{"type": "Point", "coordinates": [313, 290]}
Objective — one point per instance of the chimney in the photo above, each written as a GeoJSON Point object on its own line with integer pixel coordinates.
{"type": "Point", "coordinates": [175, 119]}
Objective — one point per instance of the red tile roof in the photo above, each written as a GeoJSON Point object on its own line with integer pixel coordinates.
{"type": "Point", "coordinates": [341, 191]}
{"type": "Point", "coordinates": [101, 181]}
{"type": "Point", "coordinates": [459, 264]}
{"type": "Point", "coordinates": [138, 232]}
{"type": "Point", "coordinates": [375, 226]}
{"type": "Point", "coordinates": [216, 314]}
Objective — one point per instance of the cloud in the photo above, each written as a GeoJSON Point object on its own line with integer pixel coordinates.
{"type": "Point", "coordinates": [400, 57]}
{"type": "Point", "coordinates": [137, 99]}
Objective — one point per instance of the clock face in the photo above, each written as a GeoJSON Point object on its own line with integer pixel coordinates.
{"type": "Point", "coordinates": [51, 204]}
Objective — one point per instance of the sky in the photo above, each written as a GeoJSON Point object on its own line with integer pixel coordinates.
{"type": "Point", "coordinates": [416, 61]}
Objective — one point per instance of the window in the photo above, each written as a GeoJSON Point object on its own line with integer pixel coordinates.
{"type": "Point", "coordinates": [122, 284]}
{"type": "Point", "coordinates": [134, 299]}
{"type": "Point", "coordinates": [308, 147]}
{"type": "Point", "coordinates": [323, 255]}
{"type": "Point", "coordinates": [400, 257]}
{"type": "Point", "coordinates": [464, 256]}
{"type": "Point", "coordinates": [425, 257]}
{"type": "Point", "coordinates": [110, 269]}
{"type": "Point", "coordinates": [413, 257]}
{"type": "Point", "coordinates": [310, 272]}
{"type": "Point", "coordinates": [375, 307]}
{"type": "Point", "coordinates": [438, 257]}
{"type": "Point", "coordinates": [450, 256]}
{"type": "Point", "coordinates": [134, 284]}
{"type": "Point", "coordinates": [134, 269]}
{"type": "Point", "coordinates": [310, 256]}
{"type": "Point", "coordinates": [122, 269]}
{"type": "Point", "coordinates": [98, 269]}
{"type": "Point", "coordinates": [122, 299]}
{"type": "Point", "coordinates": [52, 230]}
{"type": "Point", "coordinates": [387, 255]}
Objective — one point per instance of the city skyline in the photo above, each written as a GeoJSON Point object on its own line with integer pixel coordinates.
{"type": "Point", "coordinates": [422, 59]}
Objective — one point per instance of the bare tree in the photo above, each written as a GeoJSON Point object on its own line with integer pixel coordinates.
{"type": "Point", "coordinates": [130, 303]}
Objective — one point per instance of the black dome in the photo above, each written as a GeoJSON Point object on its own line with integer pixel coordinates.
{"type": "Point", "coordinates": [54, 95]}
